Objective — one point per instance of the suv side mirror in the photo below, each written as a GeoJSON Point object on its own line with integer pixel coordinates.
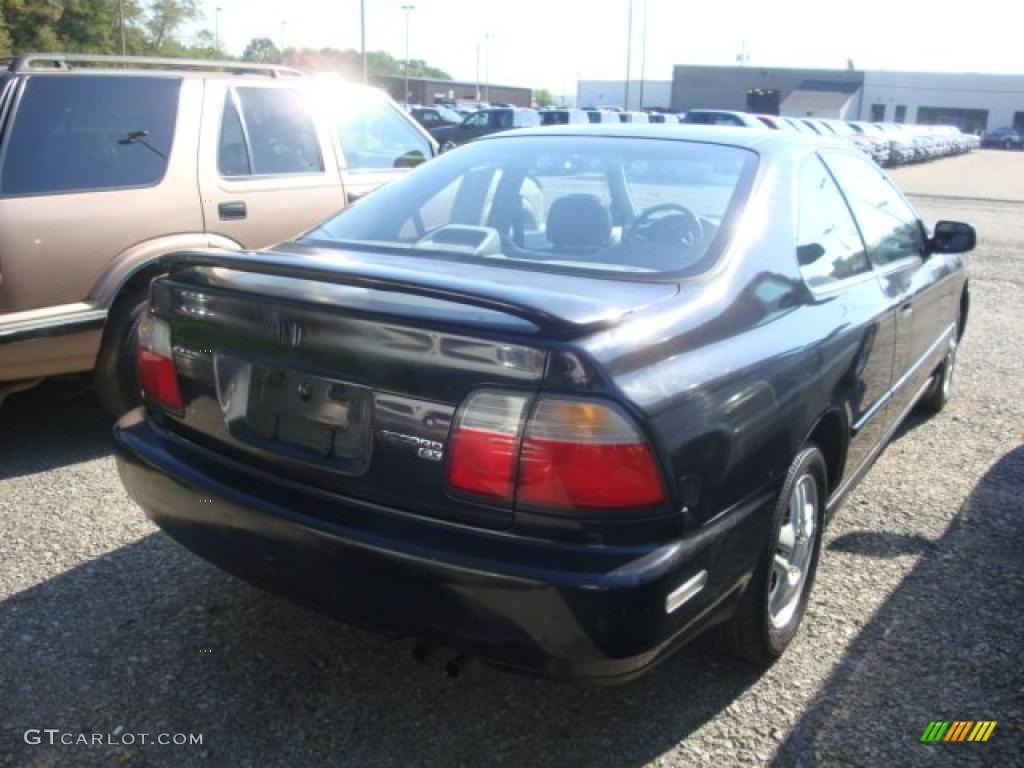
{"type": "Point", "coordinates": [952, 237]}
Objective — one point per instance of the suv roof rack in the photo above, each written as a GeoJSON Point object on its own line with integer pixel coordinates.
{"type": "Point", "coordinates": [28, 62]}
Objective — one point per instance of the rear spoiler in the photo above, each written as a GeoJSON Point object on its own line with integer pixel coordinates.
{"type": "Point", "coordinates": [579, 315]}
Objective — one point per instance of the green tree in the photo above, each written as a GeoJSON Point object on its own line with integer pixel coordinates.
{"type": "Point", "coordinates": [5, 38]}
{"type": "Point", "coordinates": [32, 24]}
{"type": "Point", "coordinates": [543, 97]}
{"type": "Point", "coordinates": [164, 19]}
{"type": "Point", "coordinates": [262, 50]}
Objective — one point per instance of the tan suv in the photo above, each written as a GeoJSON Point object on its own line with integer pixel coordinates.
{"type": "Point", "coordinates": [107, 163]}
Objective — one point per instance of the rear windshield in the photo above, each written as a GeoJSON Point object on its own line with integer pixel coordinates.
{"type": "Point", "coordinates": [624, 205]}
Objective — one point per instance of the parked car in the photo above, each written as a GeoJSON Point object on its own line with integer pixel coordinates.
{"type": "Point", "coordinates": [111, 163]}
{"type": "Point", "coordinates": [563, 116]}
{"type": "Point", "coordinates": [1005, 138]}
{"type": "Point", "coordinates": [436, 116]}
{"type": "Point", "coordinates": [602, 116]}
{"type": "Point", "coordinates": [633, 117]}
{"type": "Point", "coordinates": [484, 123]}
{"type": "Point", "coordinates": [568, 447]}
{"type": "Point", "coordinates": [722, 117]}
{"type": "Point", "coordinates": [775, 122]}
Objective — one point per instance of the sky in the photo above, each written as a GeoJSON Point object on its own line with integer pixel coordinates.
{"type": "Point", "coordinates": [551, 43]}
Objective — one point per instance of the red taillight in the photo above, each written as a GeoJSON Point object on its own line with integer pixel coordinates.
{"type": "Point", "coordinates": [157, 376]}
{"type": "Point", "coordinates": [579, 455]}
{"type": "Point", "coordinates": [485, 445]}
{"type": "Point", "coordinates": [575, 455]}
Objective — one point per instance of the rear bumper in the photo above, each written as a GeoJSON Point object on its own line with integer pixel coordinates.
{"type": "Point", "coordinates": [564, 610]}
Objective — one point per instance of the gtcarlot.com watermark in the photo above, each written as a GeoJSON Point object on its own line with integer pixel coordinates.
{"type": "Point", "coordinates": [116, 738]}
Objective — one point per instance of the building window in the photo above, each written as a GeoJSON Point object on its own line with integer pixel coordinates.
{"type": "Point", "coordinates": [878, 113]}
{"type": "Point", "coordinates": [901, 114]}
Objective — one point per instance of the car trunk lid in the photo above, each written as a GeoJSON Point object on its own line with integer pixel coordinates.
{"type": "Point", "coordinates": [344, 370]}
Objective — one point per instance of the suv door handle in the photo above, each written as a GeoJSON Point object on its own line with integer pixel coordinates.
{"type": "Point", "coordinates": [233, 210]}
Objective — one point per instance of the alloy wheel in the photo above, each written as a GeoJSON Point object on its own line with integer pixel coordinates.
{"type": "Point", "coordinates": [794, 551]}
{"type": "Point", "coordinates": [948, 369]}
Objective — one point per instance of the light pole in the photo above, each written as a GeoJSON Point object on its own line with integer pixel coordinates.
{"type": "Point", "coordinates": [216, 30]}
{"type": "Point", "coordinates": [629, 51]}
{"type": "Point", "coordinates": [408, 12]}
{"type": "Point", "coordinates": [478, 71]}
{"type": "Point", "coordinates": [124, 47]}
{"type": "Point", "coordinates": [643, 55]}
{"type": "Point", "coordinates": [488, 36]}
{"type": "Point", "coordinates": [283, 25]}
{"type": "Point", "coordinates": [362, 38]}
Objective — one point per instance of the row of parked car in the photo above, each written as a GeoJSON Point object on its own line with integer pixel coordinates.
{"type": "Point", "coordinates": [886, 143]}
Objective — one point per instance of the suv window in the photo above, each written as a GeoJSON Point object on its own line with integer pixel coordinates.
{"type": "Point", "coordinates": [828, 245]}
{"type": "Point", "coordinates": [890, 226]}
{"type": "Point", "coordinates": [478, 119]}
{"type": "Point", "coordinates": [275, 129]}
{"type": "Point", "coordinates": [82, 132]}
{"type": "Point", "coordinates": [374, 135]}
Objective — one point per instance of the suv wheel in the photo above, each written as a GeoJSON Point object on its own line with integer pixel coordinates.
{"type": "Point", "coordinates": [773, 605]}
{"type": "Point", "coordinates": [116, 376]}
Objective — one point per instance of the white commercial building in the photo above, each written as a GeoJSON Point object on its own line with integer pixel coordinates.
{"type": "Point", "coordinates": [643, 94]}
{"type": "Point", "coordinates": [970, 100]}
{"type": "Point", "coordinates": [974, 102]}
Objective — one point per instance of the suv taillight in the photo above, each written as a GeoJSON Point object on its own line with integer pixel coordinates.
{"type": "Point", "coordinates": [572, 455]}
{"type": "Point", "coordinates": [157, 376]}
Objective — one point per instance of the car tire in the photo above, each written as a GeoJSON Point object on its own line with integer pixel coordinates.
{"type": "Point", "coordinates": [771, 609]}
{"type": "Point", "coordinates": [116, 376]}
{"type": "Point", "coordinates": [941, 390]}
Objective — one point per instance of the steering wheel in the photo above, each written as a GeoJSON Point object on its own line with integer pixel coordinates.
{"type": "Point", "coordinates": [667, 223]}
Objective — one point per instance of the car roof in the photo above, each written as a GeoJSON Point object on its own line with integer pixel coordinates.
{"type": "Point", "coordinates": [735, 136]}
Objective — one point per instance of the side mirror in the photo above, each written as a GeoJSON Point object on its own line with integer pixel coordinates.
{"type": "Point", "coordinates": [410, 159]}
{"type": "Point", "coordinates": [952, 237]}
{"type": "Point", "coordinates": [808, 254]}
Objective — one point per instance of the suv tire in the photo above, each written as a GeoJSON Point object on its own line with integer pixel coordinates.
{"type": "Point", "coordinates": [116, 377]}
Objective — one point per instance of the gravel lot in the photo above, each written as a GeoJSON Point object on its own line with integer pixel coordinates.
{"type": "Point", "coordinates": [107, 626]}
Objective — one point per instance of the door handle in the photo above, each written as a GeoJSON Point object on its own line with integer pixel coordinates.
{"type": "Point", "coordinates": [907, 310]}
{"type": "Point", "coordinates": [232, 211]}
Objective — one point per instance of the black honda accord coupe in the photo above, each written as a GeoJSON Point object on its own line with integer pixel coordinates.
{"type": "Point", "coordinates": [560, 400]}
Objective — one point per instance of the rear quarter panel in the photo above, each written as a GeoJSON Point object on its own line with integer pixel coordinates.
{"type": "Point", "coordinates": [731, 380]}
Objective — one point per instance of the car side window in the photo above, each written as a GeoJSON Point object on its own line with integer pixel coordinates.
{"type": "Point", "coordinates": [828, 246]}
{"type": "Point", "coordinates": [276, 132]}
{"type": "Point", "coordinates": [477, 120]}
{"type": "Point", "coordinates": [374, 135]}
{"type": "Point", "coordinates": [890, 226]}
{"type": "Point", "coordinates": [85, 132]}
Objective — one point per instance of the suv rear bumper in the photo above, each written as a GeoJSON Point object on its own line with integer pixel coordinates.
{"type": "Point", "coordinates": [564, 610]}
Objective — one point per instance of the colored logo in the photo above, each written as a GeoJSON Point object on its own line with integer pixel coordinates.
{"type": "Point", "coordinates": [958, 730]}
